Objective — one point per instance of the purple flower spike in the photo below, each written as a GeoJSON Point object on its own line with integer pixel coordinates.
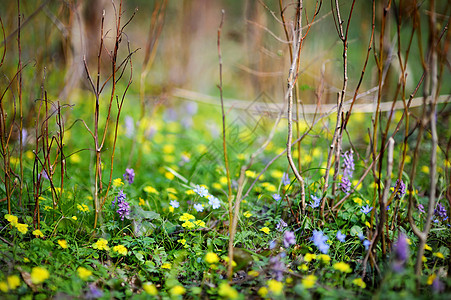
{"type": "Point", "coordinates": [401, 186]}
{"type": "Point", "coordinates": [289, 239]}
{"type": "Point", "coordinates": [123, 206]}
{"type": "Point", "coordinates": [421, 208]}
{"type": "Point", "coordinates": [440, 211]}
{"type": "Point", "coordinates": [348, 162]}
{"type": "Point", "coordinates": [345, 185]}
{"type": "Point", "coordinates": [401, 253]}
{"type": "Point", "coordinates": [129, 175]}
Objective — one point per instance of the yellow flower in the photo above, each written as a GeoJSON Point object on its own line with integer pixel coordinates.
{"type": "Point", "coordinates": [263, 292]}
{"type": "Point", "coordinates": [120, 249]}
{"type": "Point", "coordinates": [359, 282]}
{"type": "Point", "coordinates": [63, 244]}
{"type": "Point", "coordinates": [223, 180]}
{"type": "Point", "coordinates": [189, 225]}
{"type": "Point", "coordinates": [265, 230]}
{"type": "Point", "coordinates": [358, 201]}
{"type": "Point", "coordinates": [13, 282]}
{"type": "Point", "coordinates": [276, 287]}
{"type": "Point", "coordinates": [167, 149]}
{"type": "Point", "coordinates": [211, 258]}
{"type": "Point", "coordinates": [408, 241]}
{"type": "Point", "coordinates": [171, 209]}
{"type": "Point", "coordinates": [309, 257]}
{"type": "Point", "coordinates": [200, 223]}
{"type": "Point", "coordinates": [354, 183]}
{"type": "Point", "coordinates": [26, 260]}
{"type": "Point", "coordinates": [226, 291]}
{"type": "Point", "coordinates": [427, 247]}
{"type": "Point", "coordinates": [253, 273]}
{"type": "Point", "coordinates": [324, 258]}
{"type": "Point", "coordinates": [303, 267]}
{"type": "Point", "coordinates": [12, 219]}
{"type": "Point", "coordinates": [38, 233]}
{"type": "Point", "coordinates": [368, 224]}
{"type": "Point", "coordinates": [276, 174]}
{"type": "Point", "coordinates": [425, 169]}
{"type": "Point", "coordinates": [342, 267]}
{"type": "Point", "coordinates": [182, 241]}
{"type": "Point", "coordinates": [39, 275]}
{"type": "Point", "coordinates": [186, 217]}
{"type": "Point", "coordinates": [439, 255]}
{"type": "Point", "coordinates": [83, 207]}
{"type": "Point", "coordinates": [247, 214]}
{"type": "Point", "coordinates": [166, 266]}
{"type": "Point", "coordinates": [309, 281]}
{"type": "Point", "coordinates": [171, 190]}
{"type": "Point", "coordinates": [150, 289]}
{"type": "Point", "coordinates": [431, 279]}
{"type": "Point", "coordinates": [3, 286]}
{"type": "Point", "coordinates": [23, 228]}
{"type": "Point", "coordinates": [150, 190]}
{"type": "Point", "coordinates": [250, 174]}
{"type": "Point", "coordinates": [75, 158]}
{"type": "Point", "coordinates": [141, 202]}
{"type": "Point", "coordinates": [118, 182]}
{"type": "Point", "coordinates": [101, 244]}
{"type": "Point", "coordinates": [177, 290]}
{"type": "Point", "coordinates": [169, 175]}
{"type": "Point", "coordinates": [84, 273]}
{"type": "Point", "coordinates": [74, 218]}
{"type": "Point", "coordinates": [424, 259]}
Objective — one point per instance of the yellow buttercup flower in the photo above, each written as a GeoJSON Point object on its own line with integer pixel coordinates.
{"type": "Point", "coordinates": [309, 281]}
{"type": "Point", "coordinates": [3, 286]}
{"type": "Point", "coordinates": [150, 289]}
{"type": "Point", "coordinates": [324, 258]}
{"type": "Point", "coordinates": [166, 266]}
{"type": "Point", "coordinates": [169, 175]}
{"type": "Point", "coordinates": [263, 292]}
{"type": "Point", "coordinates": [200, 223]}
{"type": "Point", "coordinates": [83, 207]}
{"type": "Point", "coordinates": [101, 244]}
{"type": "Point", "coordinates": [150, 190]}
{"type": "Point", "coordinates": [177, 290]}
{"type": "Point", "coordinates": [265, 230]}
{"type": "Point", "coordinates": [226, 291]}
{"type": "Point", "coordinates": [182, 241]}
{"type": "Point", "coordinates": [186, 217]}
{"type": "Point", "coordinates": [427, 247]}
{"type": "Point", "coordinates": [63, 244]}
{"type": "Point", "coordinates": [342, 267]}
{"type": "Point", "coordinates": [121, 249]}
{"type": "Point", "coordinates": [359, 282]}
{"type": "Point", "coordinates": [74, 218]}
{"type": "Point", "coordinates": [276, 287]}
{"type": "Point", "coordinates": [39, 275]}
{"type": "Point", "coordinates": [188, 224]}
{"type": "Point", "coordinates": [23, 228]}
{"type": "Point", "coordinates": [84, 273]}
{"type": "Point", "coordinates": [431, 279]}
{"type": "Point", "coordinates": [211, 258]}
{"type": "Point", "coordinates": [309, 257]}
{"type": "Point", "coordinates": [247, 214]}
{"type": "Point", "coordinates": [38, 233]}
{"type": "Point", "coordinates": [250, 174]}
{"type": "Point", "coordinates": [13, 282]}
{"type": "Point", "coordinates": [118, 182]}
{"type": "Point", "coordinates": [439, 255]}
{"type": "Point", "coordinates": [12, 219]}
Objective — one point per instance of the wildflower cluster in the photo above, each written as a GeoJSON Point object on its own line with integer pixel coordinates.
{"type": "Point", "coordinates": [14, 221]}
{"type": "Point", "coordinates": [129, 175]}
{"type": "Point", "coordinates": [202, 192]}
{"type": "Point", "coordinates": [319, 239]}
{"type": "Point", "coordinates": [348, 162]}
{"type": "Point", "coordinates": [190, 221]}
{"type": "Point", "coordinates": [123, 207]}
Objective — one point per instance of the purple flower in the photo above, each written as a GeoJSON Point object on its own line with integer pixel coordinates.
{"type": "Point", "coordinates": [199, 207]}
{"type": "Point", "coordinates": [440, 211]}
{"type": "Point", "coordinates": [345, 185]}
{"type": "Point", "coordinates": [421, 208]}
{"type": "Point", "coordinates": [366, 244]}
{"type": "Point", "coordinates": [272, 244]}
{"type": "Point", "coordinates": [276, 197]}
{"type": "Point", "coordinates": [289, 239]}
{"type": "Point", "coordinates": [214, 202]}
{"type": "Point", "coordinates": [319, 239]}
{"type": "Point", "coordinates": [129, 175]}
{"type": "Point", "coordinates": [341, 237]}
{"type": "Point", "coordinates": [174, 203]}
{"type": "Point", "coordinates": [277, 267]}
{"type": "Point", "coordinates": [123, 208]}
{"type": "Point", "coordinates": [401, 186]}
{"type": "Point", "coordinates": [281, 225]}
{"type": "Point", "coordinates": [401, 253]}
{"type": "Point", "coordinates": [285, 179]}
{"type": "Point", "coordinates": [366, 209]}
{"type": "Point", "coordinates": [348, 162]}
{"type": "Point", "coordinates": [201, 191]}
{"type": "Point", "coordinates": [437, 285]}
{"type": "Point", "coordinates": [93, 292]}
{"type": "Point", "coordinates": [316, 201]}
{"type": "Point", "coordinates": [361, 236]}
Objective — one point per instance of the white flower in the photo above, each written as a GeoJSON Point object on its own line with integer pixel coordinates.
{"type": "Point", "coordinates": [198, 207]}
{"type": "Point", "coordinates": [174, 203]}
{"type": "Point", "coordinates": [201, 191]}
{"type": "Point", "coordinates": [214, 202]}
